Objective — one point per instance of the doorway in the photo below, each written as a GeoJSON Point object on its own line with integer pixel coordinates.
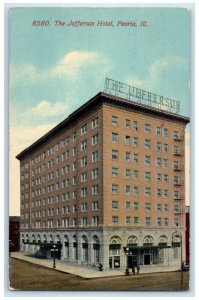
{"type": "Point", "coordinates": [147, 259]}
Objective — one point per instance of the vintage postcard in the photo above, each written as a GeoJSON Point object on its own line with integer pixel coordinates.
{"type": "Point", "coordinates": [99, 148]}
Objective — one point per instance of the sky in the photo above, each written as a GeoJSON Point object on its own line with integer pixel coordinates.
{"type": "Point", "coordinates": [55, 69]}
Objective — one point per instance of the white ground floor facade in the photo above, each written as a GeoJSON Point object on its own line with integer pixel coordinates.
{"type": "Point", "coordinates": [113, 248]}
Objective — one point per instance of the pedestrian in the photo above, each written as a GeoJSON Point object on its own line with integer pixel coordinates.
{"type": "Point", "coordinates": [138, 269]}
{"type": "Point", "coordinates": [133, 270]}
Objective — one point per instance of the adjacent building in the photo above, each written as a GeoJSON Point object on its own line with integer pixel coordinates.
{"type": "Point", "coordinates": [14, 234]}
{"type": "Point", "coordinates": [106, 186]}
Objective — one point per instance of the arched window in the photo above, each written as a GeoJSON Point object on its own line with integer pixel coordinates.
{"type": "Point", "coordinates": [96, 249]}
{"type": "Point", "coordinates": [148, 240]}
{"type": "Point", "coordinates": [84, 248]}
{"type": "Point", "coordinates": [66, 244]}
{"type": "Point", "coordinates": [132, 241]}
{"type": "Point", "coordinates": [75, 249]}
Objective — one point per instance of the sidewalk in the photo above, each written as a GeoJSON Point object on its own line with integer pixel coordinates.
{"type": "Point", "coordinates": [84, 272]}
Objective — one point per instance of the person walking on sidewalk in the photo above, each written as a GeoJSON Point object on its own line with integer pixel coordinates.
{"type": "Point", "coordinates": [138, 269]}
{"type": "Point", "coordinates": [133, 270]}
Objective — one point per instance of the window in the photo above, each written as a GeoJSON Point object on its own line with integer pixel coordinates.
{"type": "Point", "coordinates": [135, 158]}
{"type": "Point", "coordinates": [74, 180]}
{"type": "Point", "coordinates": [74, 208]}
{"type": "Point", "coordinates": [147, 191]}
{"type": "Point", "coordinates": [127, 156]}
{"type": "Point", "coordinates": [135, 174]}
{"type": "Point", "coordinates": [95, 220]}
{"type": "Point", "coordinates": [95, 156]}
{"type": "Point", "coordinates": [147, 160]}
{"type": "Point", "coordinates": [115, 188]}
{"type": "Point", "coordinates": [73, 166]}
{"type": "Point", "coordinates": [84, 129]}
{"type": "Point", "coordinates": [127, 190]}
{"type": "Point", "coordinates": [147, 128]}
{"type": "Point", "coordinates": [176, 180]}
{"type": "Point", "coordinates": [115, 137]}
{"type": "Point", "coordinates": [127, 173]}
{"type": "Point", "coordinates": [176, 221]}
{"type": "Point", "coordinates": [176, 194]}
{"type": "Point", "coordinates": [135, 125]}
{"type": "Point", "coordinates": [84, 192]}
{"type": "Point", "coordinates": [147, 206]}
{"type": "Point", "coordinates": [147, 144]}
{"type": "Point", "coordinates": [74, 136]}
{"type": "Point", "coordinates": [135, 142]}
{"type": "Point", "coordinates": [74, 151]}
{"type": "Point", "coordinates": [84, 221]}
{"type": "Point", "coordinates": [176, 150]}
{"type": "Point", "coordinates": [158, 146]}
{"type": "Point", "coordinates": [95, 123]}
{"type": "Point", "coordinates": [114, 205]}
{"type": "Point", "coordinates": [165, 207]}
{"type": "Point", "coordinates": [158, 207]}
{"type": "Point", "coordinates": [135, 205]}
{"type": "Point", "coordinates": [95, 173]}
{"type": "Point", "coordinates": [84, 177]}
{"type": "Point", "coordinates": [159, 192]}
{"type": "Point", "coordinates": [176, 135]}
{"type": "Point", "coordinates": [115, 220]}
{"type": "Point", "coordinates": [159, 221]}
{"type": "Point", "coordinates": [84, 161]}
{"type": "Point", "coordinates": [165, 132]}
{"type": "Point", "coordinates": [128, 220]}
{"type": "Point", "coordinates": [115, 154]}
{"type": "Point", "coordinates": [95, 205]}
{"type": "Point", "coordinates": [176, 165]}
{"type": "Point", "coordinates": [166, 221]}
{"type": "Point", "coordinates": [136, 220]}
{"type": "Point", "coordinates": [127, 140]}
{"type": "Point", "coordinates": [114, 120]}
{"type": "Point", "coordinates": [135, 190]}
{"type": "Point", "coordinates": [84, 145]}
{"type": "Point", "coordinates": [165, 163]}
{"type": "Point", "coordinates": [158, 162]}
{"type": "Point", "coordinates": [176, 208]}
{"type": "Point", "coordinates": [147, 221]}
{"type": "Point", "coordinates": [158, 131]}
{"type": "Point", "coordinates": [95, 189]}
{"type": "Point", "coordinates": [165, 178]}
{"type": "Point", "coordinates": [128, 205]}
{"type": "Point", "coordinates": [165, 147]}
{"type": "Point", "coordinates": [127, 123]}
{"type": "Point", "coordinates": [158, 177]}
{"type": "Point", "coordinates": [165, 193]}
{"type": "Point", "coordinates": [95, 139]}
{"type": "Point", "coordinates": [115, 172]}
{"type": "Point", "coordinates": [147, 176]}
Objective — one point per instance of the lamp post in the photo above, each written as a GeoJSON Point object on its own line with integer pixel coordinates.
{"type": "Point", "coordinates": [177, 234]}
{"type": "Point", "coordinates": [54, 250]}
{"type": "Point", "coordinates": [126, 251]}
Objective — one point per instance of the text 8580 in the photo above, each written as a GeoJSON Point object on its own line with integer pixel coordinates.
{"type": "Point", "coordinates": [40, 23]}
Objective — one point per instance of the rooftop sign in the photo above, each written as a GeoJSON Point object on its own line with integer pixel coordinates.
{"type": "Point", "coordinates": [129, 92]}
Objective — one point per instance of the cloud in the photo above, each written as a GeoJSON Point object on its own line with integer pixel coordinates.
{"type": "Point", "coordinates": [70, 66]}
{"type": "Point", "coordinates": [156, 72]}
{"type": "Point", "coordinates": [73, 62]}
{"type": "Point", "coordinates": [25, 72]}
{"type": "Point", "coordinates": [46, 109]}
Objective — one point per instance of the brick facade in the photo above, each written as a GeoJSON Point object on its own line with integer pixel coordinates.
{"type": "Point", "coordinates": [110, 175]}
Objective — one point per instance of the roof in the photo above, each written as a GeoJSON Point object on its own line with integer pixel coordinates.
{"type": "Point", "coordinates": [92, 104]}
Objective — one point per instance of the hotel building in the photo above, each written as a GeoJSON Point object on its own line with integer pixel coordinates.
{"type": "Point", "coordinates": [107, 185]}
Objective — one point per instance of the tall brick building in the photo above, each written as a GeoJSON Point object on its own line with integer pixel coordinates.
{"type": "Point", "coordinates": [108, 179]}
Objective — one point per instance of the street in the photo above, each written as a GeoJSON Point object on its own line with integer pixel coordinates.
{"type": "Point", "coordinates": [26, 276]}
